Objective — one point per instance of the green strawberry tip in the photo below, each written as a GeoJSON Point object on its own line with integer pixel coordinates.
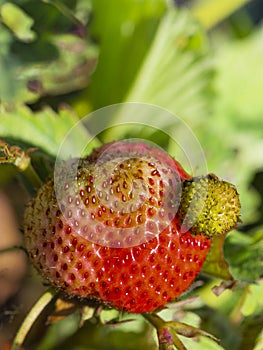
{"type": "Point", "coordinates": [209, 206]}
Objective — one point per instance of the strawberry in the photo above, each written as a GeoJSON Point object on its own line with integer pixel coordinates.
{"type": "Point", "coordinates": [114, 226]}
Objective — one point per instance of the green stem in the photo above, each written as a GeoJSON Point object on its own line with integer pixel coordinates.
{"type": "Point", "coordinates": [21, 159]}
{"type": "Point", "coordinates": [11, 249]}
{"type": "Point", "coordinates": [32, 176]}
{"type": "Point", "coordinates": [211, 12]}
{"type": "Point", "coordinates": [67, 12]}
{"type": "Point", "coordinates": [31, 317]}
{"type": "Point", "coordinates": [163, 329]}
{"type": "Point", "coordinates": [236, 315]}
{"type": "Point", "coordinates": [154, 320]}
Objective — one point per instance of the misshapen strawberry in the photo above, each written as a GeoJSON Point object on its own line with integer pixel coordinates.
{"type": "Point", "coordinates": [120, 232]}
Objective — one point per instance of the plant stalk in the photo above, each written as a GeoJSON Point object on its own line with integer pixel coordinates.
{"type": "Point", "coordinates": [12, 249]}
{"type": "Point", "coordinates": [31, 317]}
{"type": "Point", "coordinates": [32, 176]}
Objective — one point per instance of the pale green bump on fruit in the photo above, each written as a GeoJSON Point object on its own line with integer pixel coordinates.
{"type": "Point", "coordinates": [209, 206]}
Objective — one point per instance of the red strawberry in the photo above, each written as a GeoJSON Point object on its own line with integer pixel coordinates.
{"type": "Point", "coordinates": [115, 234]}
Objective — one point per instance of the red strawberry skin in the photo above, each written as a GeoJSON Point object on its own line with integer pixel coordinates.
{"type": "Point", "coordinates": [137, 277]}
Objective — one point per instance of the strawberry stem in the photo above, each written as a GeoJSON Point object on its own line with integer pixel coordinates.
{"type": "Point", "coordinates": [21, 160]}
{"type": "Point", "coordinates": [154, 320]}
{"type": "Point", "coordinates": [168, 332]}
{"type": "Point", "coordinates": [31, 317]}
{"type": "Point", "coordinates": [66, 11]}
{"type": "Point", "coordinates": [32, 176]}
{"type": "Point", "coordinates": [167, 336]}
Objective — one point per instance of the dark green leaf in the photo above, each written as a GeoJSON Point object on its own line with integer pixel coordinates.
{"type": "Point", "coordinates": [244, 257]}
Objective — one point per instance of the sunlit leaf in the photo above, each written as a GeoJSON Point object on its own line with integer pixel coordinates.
{"type": "Point", "coordinates": [175, 74]}
{"type": "Point", "coordinates": [201, 343]}
{"type": "Point", "coordinates": [124, 35]}
{"type": "Point", "coordinates": [236, 127]}
{"type": "Point", "coordinates": [44, 129]}
{"type": "Point", "coordinates": [254, 302]}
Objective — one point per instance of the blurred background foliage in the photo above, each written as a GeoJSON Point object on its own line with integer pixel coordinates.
{"type": "Point", "coordinates": [199, 59]}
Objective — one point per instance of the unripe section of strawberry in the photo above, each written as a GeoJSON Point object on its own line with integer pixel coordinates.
{"type": "Point", "coordinates": [114, 233]}
{"type": "Point", "coordinates": [209, 206]}
{"type": "Point", "coordinates": [118, 201]}
{"type": "Point", "coordinates": [138, 149]}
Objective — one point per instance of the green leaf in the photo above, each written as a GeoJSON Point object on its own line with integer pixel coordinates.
{"type": "Point", "coordinates": [66, 63]}
{"type": "Point", "coordinates": [17, 21]}
{"type": "Point", "coordinates": [52, 64]}
{"type": "Point", "coordinates": [103, 337]}
{"type": "Point", "coordinates": [5, 40]}
{"type": "Point", "coordinates": [244, 256]}
{"type": "Point", "coordinates": [251, 327]}
{"type": "Point", "coordinates": [8, 82]}
{"type": "Point", "coordinates": [259, 341]}
{"type": "Point", "coordinates": [175, 74]}
{"type": "Point", "coordinates": [69, 71]}
{"type": "Point", "coordinates": [201, 344]}
{"type": "Point", "coordinates": [59, 331]}
{"type": "Point", "coordinates": [236, 127]}
{"type": "Point", "coordinates": [211, 12]}
{"type": "Point", "coordinates": [45, 129]}
{"type": "Point", "coordinates": [253, 303]}
{"type": "Point", "coordinates": [191, 319]}
{"type": "Point", "coordinates": [124, 35]}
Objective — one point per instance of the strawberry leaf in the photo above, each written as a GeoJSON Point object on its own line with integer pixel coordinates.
{"type": "Point", "coordinates": [123, 42]}
{"type": "Point", "coordinates": [238, 257]}
{"type": "Point", "coordinates": [69, 71]}
{"type": "Point", "coordinates": [237, 117]}
{"type": "Point", "coordinates": [45, 129]}
{"type": "Point", "coordinates": [253, 303]}
{"type": "Point", "coordinates": [251, 329]}
{"type": "Point", "coordinates": [244, 254]}
{"type": "Point", "coordinates": [40, 62]}
{"type": "Point", "coordinates": [175, 70]}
